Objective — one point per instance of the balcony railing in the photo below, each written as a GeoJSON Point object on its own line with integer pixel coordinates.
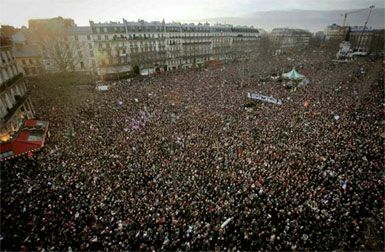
{"type": "Point", "coordinates": [9, 82]}
{"type": "Point", "coordinates": [196, 43]}
{"type": "Point", "coordinates": [19, 102]}
{"type": "Point", "coordinates": [104, 49]}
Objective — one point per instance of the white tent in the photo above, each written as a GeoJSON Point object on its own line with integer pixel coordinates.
{"type": "Point", "coordinates": [293, 75]}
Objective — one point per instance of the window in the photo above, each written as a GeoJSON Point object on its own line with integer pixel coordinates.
{"type": "Point", "coordinates": [80, 54]}
{"type": "Point", "coordinates": [92, 53]}
{"type": "Point", "coordinates": [99, 37]}
{"type": "Point", "coordinates": [4, 56]}
{"type": "Point", "coordinates": [76, 38]}
{"type": "Point", "coordinates": [88, 37]}
{"type": "Point", "coordinates": [106, 37]}
{"type": "Point", "coordinates": [81, 65]}
{"type": "Point", "coordinates": [23, 61]}
{"type": "Point", "coordinates": [90, 45]}
{"type": "Point", "coordinates": [31, 61]}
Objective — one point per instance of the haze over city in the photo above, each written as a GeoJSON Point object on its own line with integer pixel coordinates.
{"type": "Point", "coordinates": [267, 14]}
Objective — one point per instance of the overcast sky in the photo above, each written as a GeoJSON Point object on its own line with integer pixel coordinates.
{"type": "Point", "coordinates": [17, 12]}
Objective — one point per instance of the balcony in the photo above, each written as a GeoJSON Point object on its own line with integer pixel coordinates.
{"type": "Point", "coordinates": [19, 102]}
{"type": "Point", "coordinates": [197, 43]}
{"type": "Point", "coordinates": [100, 49]}
{"type": "Point", "coordinates": [119, 38]}
{"type": "Point", "coordinates": [9, 82]}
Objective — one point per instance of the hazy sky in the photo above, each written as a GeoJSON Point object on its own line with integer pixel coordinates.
{"type": "Point", "coordinates": [17, 12]}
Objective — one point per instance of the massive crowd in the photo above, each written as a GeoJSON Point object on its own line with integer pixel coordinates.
{"type": "Point", "coordinates": [182, 161]}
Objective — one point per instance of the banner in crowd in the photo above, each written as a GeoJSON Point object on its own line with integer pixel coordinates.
{"type": "Point", "coordinates": [264, 98]}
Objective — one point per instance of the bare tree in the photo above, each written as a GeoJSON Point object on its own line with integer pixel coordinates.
{"type": "Point", "coordinates": [265, 46]}
{"type": "Point", "coordinates": [60, 48]}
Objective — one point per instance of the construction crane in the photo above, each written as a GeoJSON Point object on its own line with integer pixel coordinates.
{"type": "Point", "coordinates": [363, 28]}
{"type": "Point", "coordinates": [345, 15]}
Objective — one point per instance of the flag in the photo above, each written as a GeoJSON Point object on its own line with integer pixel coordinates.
{"type": "Point", "coordinates": [344, 186]}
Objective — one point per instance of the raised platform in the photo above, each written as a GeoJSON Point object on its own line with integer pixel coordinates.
{"type": "Point", "coordinates": [30, 138]}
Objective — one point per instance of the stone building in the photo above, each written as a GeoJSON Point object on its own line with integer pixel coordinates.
{"type": "Point", "coordinates": [116, 48]}
{"type": "Point", "coordinates": [28, 60]}
{"type": "Point", "coordinates": [159, 46]}
{"type": "Point", "coordinates": [84, 54]}
{"type": "Point", "coordinates": [15, 104]}
{"type": "Point", "coordinates": [336, 32]}
{"type": "Point", "coordinates": [285, 39]}
{"type": "Point", "coordinates": [61, 44]}
{"type": "Point", "coordinates": [366, 40]}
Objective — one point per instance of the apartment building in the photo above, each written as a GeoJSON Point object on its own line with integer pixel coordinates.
{"type": "Point", "coordinates": [84, 53]}
{"type": "Point", "coordinates": [28, 60]}
{"type": "Point", "coordinates": [159, 46]}
{"type": "Point", "coordinates": [285, 39]}
{"type": "Point", "coordinates": [15, 104]}
{"type": "Point", "coordinates": [117, 47]}
{"type": "Point", "coordinates": [366, 40]}
{"type": "Point", "coordinates": [61, 44]}
{"type": "Point", "coordinates": [336, 32]}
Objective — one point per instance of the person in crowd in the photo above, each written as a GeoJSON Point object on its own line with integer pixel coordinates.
{"type": "Point", "coordinates": [176, 162]}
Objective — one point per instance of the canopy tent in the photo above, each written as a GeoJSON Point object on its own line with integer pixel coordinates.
{"type": "Point", "coordinates": [29, 139]}
{"type": "Point", "coordinates": [293, 75]}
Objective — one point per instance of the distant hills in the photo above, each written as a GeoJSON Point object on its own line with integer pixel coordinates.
{"type": "Point", "coordinates": [306, 19]}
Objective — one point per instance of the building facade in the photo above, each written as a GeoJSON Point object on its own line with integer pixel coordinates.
{"type": "Point", "coordinates": [15, 104]}
{"type": "Point", "coordinates": [285, 39]}
{"type": "Point", "coordinates": [118, 47]}
{"type": "Point", "coordinates": [159, 46]}
{"type": "Point", "coordinates": [336, 32]}
{"type": "Point", "coordinates": [28, 60]}
{"type": "Point", "coordinates": [366, 40]}
{"type": "Point", "coordinates": [84, 51]}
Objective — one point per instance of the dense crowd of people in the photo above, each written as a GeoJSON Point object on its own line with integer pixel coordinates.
{"type": "Point", "coordinates": [184, 160]}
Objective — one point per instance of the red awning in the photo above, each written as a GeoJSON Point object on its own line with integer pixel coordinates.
{"type": "Point", "coordinates": [30, 138]}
